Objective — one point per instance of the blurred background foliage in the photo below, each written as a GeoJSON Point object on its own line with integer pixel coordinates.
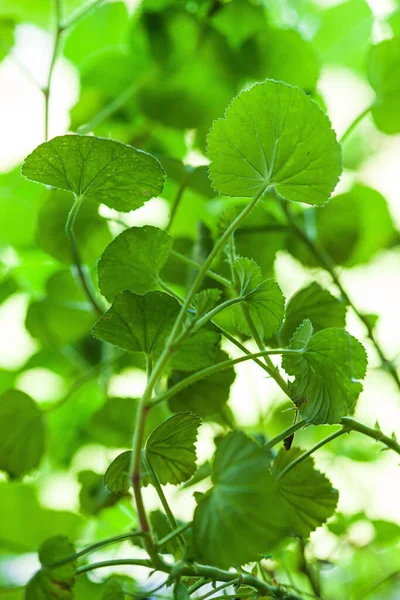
{"type": "Point", "coordinates": [155, 74]}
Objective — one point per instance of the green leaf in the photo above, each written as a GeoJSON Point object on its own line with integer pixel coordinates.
{"type": "Point", "coordinates": [383, 75]}
{"type": "Point", "coordinates": [116, 478]}
{"type": "Point", "coordinates": [316, 304]}
{"type": "Point", "coordinates": [22, 434]}
{"type": "Point", "coordinates": [7, 27]}
{"type": "Point", "coordinates": [133, 261]}
{"type": "Point", "coordinates": [54, 582]}
{"type": "Point", "coordinates": [308, 496]}
{"type": "Point", "coordinates": [241, 508]}
{"type": "Point", "coordinates": [143, 324]}
{"type": "Point", "coordinates": [113, 591]}
{"type": "Point", "coordinates": [98, 169]}
{"type": "Point", "coordinates": [112, 425]}
{"type": "Point", "coordinates": [274, 135]}
{"type": "Point", "coordinates": [91, 231]}
{"type": "Point", "coordinates": [170, 449]}
{"type": "Point", "coordinates": [94, 495]}
{"type": "Point", "coordinates": [205, 300]}
{"type": "Point", "coordinates": [206, 396]}
{"type": "Point", "coordinates": [344, 33]}
{"type": "Point", "coordinates": [326, 367]}
{"type": "Point", "coordinates": [263, 299]}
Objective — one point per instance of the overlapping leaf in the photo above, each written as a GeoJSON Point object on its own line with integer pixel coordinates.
{"type": "Point", "coordinates": [133, 261]}
{"type": "Point", "coordinates": [143, 324]}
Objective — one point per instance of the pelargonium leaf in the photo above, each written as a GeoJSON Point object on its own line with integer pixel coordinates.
{"type": "Point", "coordinates": [327, 366]}
{"type": "Point", "coordinates": [242, 506]}
{"type": "Point", "coordinates": [116, 478]}
{"type": "Point", "coordinates": [170, 448]}
{"type": "Point", "coordinates": [308, 496]}
{"type": "Point", "coordinates": [316, 304]}
{"type": "Point", "coordinates": [98, 169]}
{"type": "Point", "coordinates": [263, 299]}
{"type": "Point", "coordinates": [143, 324]}
{"type": "Point", "coordinates": [133, 261]}
{"type": "Point", "coordinates": [22, 433]}
{"type": "Point", "coordinates": [274, 135]}
{"type": "Point", "coordinates": [53, 582]}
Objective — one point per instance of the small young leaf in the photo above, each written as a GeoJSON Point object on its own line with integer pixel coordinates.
{"type": "Point", "coordinates": [143, 324]}
{"type": "Point", "coordinates": [263, 299]}
{"type": "Point", "coordinates": [171, 448]}
{"type": "Point", "coordinates": [383, 65]}
{"type": "Point", "coordinates": [317, 305]}
{"type": "Point", "coordinates": [98, 169]}
{"type": "Point", "coordinates": [327, 367]}
{"type": "Point", "coordinates": [22, 434]}
{"type": "Point", "coordinates": [308, 496]}
{"type": "Point", "coordinates": [205, 300]}
{"type": "Point", "coordinates": [133, 261]}
{"type": "Point", "coordinates": [206, 396]}
{"type": "Point", "coordinates": [274, 135]}
{"type": "Point", "coordinates": [116, 478]}
{"type": "Point", "coordinates": [242, 506]}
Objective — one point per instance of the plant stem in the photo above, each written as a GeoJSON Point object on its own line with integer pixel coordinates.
{"type": "Point", "coordinates": [219, 588]}
{"type": "Point", "coordinates": [196, 265]}
{"type": "Point", "coordinates": [216, 310]}
{"type": "Point", "coordinates": [284, 434]}
{"type": "Point", "coordinates": [69, 228]}
{"type": "Point", "coordinates": [173, 534]}
{"type": "Point", "coordinates": [56, 47]}
{"type": "Point", "coordinates": [309, 572]}
{"type": "Point", "coordinates": [81, 13]}
{"type": "Point", "coordinates": [305, 455]}
{"type": "Point", "coordinates": [177, 199]}
{"type": "Point", "coordinates": [326, 263]}
{"type": "Point", "coordinates": [212, 370]}
{"type": "Point", "coordinates": [116, 104]}
{"type": "Point", "coordinates": [114, 563]}
{"type": "Point", "coordinates": [354, 124]}
{"type": "Point", "coordinates": [163, 499]}
{"type": "Point", "coordinates": [93, 547]}
{"type": "Point", "coordinates": [135, 468]}
{"type": "Point", "coordinates": [209, 260]}
{"type": "Point", "coordinates": [375, 434]}
{"type": "Point", "coordinates": [196, 586]}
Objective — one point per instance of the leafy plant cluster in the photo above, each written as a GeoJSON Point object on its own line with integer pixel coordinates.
{"type": "Point", "coordinates": [234, 82]}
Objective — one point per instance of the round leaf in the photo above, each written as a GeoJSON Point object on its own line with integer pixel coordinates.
{"type": "Point", "coordinates": [274, 135]}
{"type": "Point", "coordinates": [133, 261]}
{"type": "Point", "coordinates": [99, 169]}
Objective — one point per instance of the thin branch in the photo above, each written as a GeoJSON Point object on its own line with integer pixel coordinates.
{"type": "Point", "coordinates": [81, 13]}
{"type": "Point", "coordinates": [175, 205]}
{"type": "Point", "coordinates": [284, 434]}
{"type": "Point", "coordinates": [221, 587]}
{"type": "Point", "coordinates": [196, 265]}
{"type": "Point", "coordinates": [354, 124]}
{"type": "Point", "coordinates": [69, 228]}
{"type": "Point", "coordinates": [164, 501]}
{"type": "Point", "coordinates": [173, 534]}
{"type": "Point", "coordinates": [309, 572]}
{"type": "Point", "coordinates": [328, 265]}
{"type": "Point", "coordinates": [375, 434]}
{"type": "Point", "coordinates": [305, 455]}
{"type": "Point", "coordinates": [93, 547]}
{"type": "Point", "coordinates": [213, 369]}
{"type": "Point", "coordinates": [114, 563]}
